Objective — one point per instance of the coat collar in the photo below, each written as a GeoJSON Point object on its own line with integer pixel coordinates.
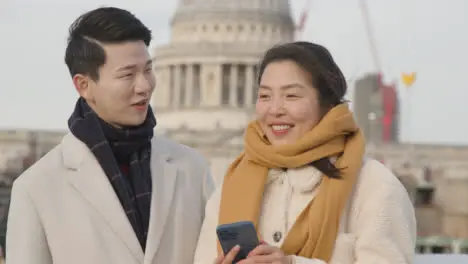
{"type": "Point", "coordinates": [304, 179]}
{"type": "Point", "coordinates": [88, 178]}
{"type": "Point", "coordinates": [75, 152]}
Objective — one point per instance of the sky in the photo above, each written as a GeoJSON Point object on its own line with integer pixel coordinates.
{"type": "Point", "coordinates": [424, 36]}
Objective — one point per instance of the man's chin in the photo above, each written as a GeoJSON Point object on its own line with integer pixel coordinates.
{"type": "Point", "coordinates": [132, 122]}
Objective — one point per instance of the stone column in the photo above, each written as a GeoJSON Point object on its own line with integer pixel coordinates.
{"type": "Point", "coordinates": [249, 85]}
{"type": "Point", "coordinates": [176, 87]}
{"type": "Point", "coordinates": [211, 83]}
{"type": "Point", "coordinates": [166, 83]}
{"type": "Point", "coordinates": [189, 86]}
{"type": "Point", "coordinates": [196, 86]}
{"type": "Point", "coordinates": [172, 94]}
{"type": "Point", "coordinates": [160, 101]}
{"type": "Point", "coordinates": [233, 85]}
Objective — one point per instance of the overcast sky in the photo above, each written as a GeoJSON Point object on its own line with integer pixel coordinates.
{"type": "Point", "coordinates": [426, 36]}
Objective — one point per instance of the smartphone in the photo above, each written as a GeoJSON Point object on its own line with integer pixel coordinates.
{"type": "Point", "coordinates": [239, 233]}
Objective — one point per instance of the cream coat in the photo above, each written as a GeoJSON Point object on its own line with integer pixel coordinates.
{"type": "Point", "coordinates": [378, 226]}
{"type": "Point", "coordinates": [65, 211]}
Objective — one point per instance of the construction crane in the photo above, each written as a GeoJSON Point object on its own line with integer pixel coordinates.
{"type": "Point", "coordinates": [387, 91]}
{"type": "Point", "coordinates": [407, 79]}
{"type": "Point", "coordinates": [370, 36]}
{"type": "Point", "coordinates": [303, 19]}
{"type": "Point", "coordinates": [301, 24]}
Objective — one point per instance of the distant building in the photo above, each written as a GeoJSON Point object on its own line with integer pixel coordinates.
{"type": "Point", "coordinates": [18, 143]}
{"type": "Point", "coordinates": [376, 108]}
{"type": "Point", "coordinates": [436, 178]}
{"type": "Point", "coordinates": [207, 73]}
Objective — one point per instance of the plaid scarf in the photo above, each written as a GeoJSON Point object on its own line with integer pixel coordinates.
{"type": "Point", "coordinates": [114, 147]}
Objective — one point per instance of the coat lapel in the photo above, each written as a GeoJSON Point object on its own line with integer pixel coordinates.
{"type": "Point", "coordinates": [86, 175]}
{"type": "Point", "coordinates": [164, 176]}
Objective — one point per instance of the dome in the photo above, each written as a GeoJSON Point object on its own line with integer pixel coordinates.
{"type": "Point", "coordinates": [195, 8]}
{"type": "Point", "coordinates": [211, 61]}
{"type": "Point", "coordinates": [280, 7]}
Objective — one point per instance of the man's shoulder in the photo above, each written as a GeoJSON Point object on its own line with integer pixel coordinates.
{"type": "Point", "coordinates": [195, 167]}
{"type": "Point", "coordinates": [178, 151]}
{"type": "Point", "coordinates": [39, 173]}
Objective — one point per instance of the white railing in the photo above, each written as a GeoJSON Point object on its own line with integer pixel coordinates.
{"type": "Point", "coordinates": [441, 259]}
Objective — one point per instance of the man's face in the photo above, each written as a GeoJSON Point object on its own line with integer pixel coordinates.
{"type": "Point", "coordinates": [122, 93]}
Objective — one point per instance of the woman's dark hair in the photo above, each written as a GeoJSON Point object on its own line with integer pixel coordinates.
{"type": "Point", "coordinates": [325, 75]}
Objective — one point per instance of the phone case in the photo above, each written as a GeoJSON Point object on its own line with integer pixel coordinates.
{"type": "Point", "coordinates": [239, 233]}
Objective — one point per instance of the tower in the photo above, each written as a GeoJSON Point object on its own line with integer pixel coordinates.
{"type": "Point", "coordinates": [207, 73]}
{"type": "Point", "coordinates": [376, 109]}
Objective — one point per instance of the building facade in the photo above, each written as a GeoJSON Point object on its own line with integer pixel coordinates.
{"type": "Point", "coordinates": [211, 60]}
{"type": "Point", "coordinates": [207, 73]}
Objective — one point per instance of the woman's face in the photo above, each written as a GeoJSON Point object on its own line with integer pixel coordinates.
{"type": "Point", "coordinates": [287, 105]}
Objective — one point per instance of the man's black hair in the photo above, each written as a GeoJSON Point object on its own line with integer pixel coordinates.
{"type": "Point", "coordinates": [105, 25]}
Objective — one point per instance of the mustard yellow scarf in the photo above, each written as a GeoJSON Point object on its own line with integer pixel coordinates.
{"type": "Point", "coordinates": [314, 233]}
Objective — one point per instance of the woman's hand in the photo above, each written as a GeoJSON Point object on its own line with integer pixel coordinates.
{"type": "Point", "coordinates": [229, 258]}
{"type": "Point", "coordinates": [265, 253]}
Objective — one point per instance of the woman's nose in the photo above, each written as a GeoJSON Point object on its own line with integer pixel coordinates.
{"type": "Point", "coordinates": [277, 107]}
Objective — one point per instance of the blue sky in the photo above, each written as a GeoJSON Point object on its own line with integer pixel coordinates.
{"type": "Point", "coordinates": [425, 36]}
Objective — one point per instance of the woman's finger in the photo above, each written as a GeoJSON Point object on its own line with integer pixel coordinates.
{"type": "Point", "coordinates": [229, 258]}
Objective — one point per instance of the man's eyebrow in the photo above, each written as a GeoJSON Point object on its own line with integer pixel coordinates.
{"type": "Point", "coordinates": [133, 66]}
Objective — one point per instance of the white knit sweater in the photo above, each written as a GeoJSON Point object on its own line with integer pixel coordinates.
{"type": "Point", "coordinates": [378, 227]}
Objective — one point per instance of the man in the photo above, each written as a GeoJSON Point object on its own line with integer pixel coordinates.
{"type": "Point", "coordinates": [110, 192]}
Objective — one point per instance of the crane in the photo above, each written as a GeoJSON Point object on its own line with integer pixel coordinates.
{"type": "Point", "coordinates": [370, 36]}
{"type": "Point", "coordinates": [387, 92]}
{"type": "Point", "coordinates": [406, 78]}
{"type": "Point", "coordinates": [303, 19]}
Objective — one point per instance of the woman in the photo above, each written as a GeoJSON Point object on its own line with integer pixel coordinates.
{"type": "Point", "coordinates": [303, 179]}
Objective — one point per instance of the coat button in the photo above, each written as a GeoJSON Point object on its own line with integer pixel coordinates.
{"type": "Point", "coordinates": [277, 236]}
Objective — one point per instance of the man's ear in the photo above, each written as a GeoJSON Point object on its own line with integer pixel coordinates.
{"type": "Point", "coordinates": [82, 85]}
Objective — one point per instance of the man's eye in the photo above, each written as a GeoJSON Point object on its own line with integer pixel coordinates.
{"type": "Point", "coordinates": [128, 75]}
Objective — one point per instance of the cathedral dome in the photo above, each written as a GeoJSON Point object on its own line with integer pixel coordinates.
{"type": "Point", "coordinates": [208, 71]}
{"type": "Point", "coordinates": [277, 7]}
{"type": "Point", "coordinates": [276, 13]}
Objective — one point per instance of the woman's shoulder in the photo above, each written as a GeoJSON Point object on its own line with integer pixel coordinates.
{"type": "Point", "coordinates": [377, 174]}
{"type": "Point", "coordinates": [377, 181]}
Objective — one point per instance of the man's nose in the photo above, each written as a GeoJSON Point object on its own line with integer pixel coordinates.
{"type": "Point", "coordinates": [143, 84]}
